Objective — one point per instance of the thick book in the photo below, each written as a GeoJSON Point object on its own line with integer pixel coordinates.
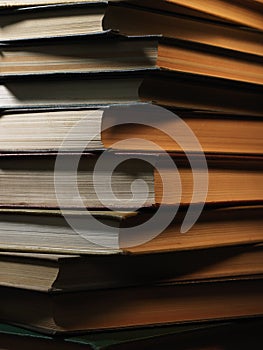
{"type": "Point", "coordinates": [103, 53]}
{"type": "Point", "coordinates": [43, 180]}
{"type": "Point", "coordinates": [103, 127]}
{"type": "Point", "coordinates": [57, 272]}
{"type": "Point", "coordinates": [46, 231]}
{"type": "Point", "coordinates": [134, 306]}
{"type": "Point", "coordinates": [169, 88]}
{"type": "Point", "coordinates": [242, 12]}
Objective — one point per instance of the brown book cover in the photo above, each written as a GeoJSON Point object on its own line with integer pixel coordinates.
{"type": "Point", "coordinates": [137, 306]}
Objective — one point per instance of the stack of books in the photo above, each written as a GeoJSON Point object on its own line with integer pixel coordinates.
{"type": "Point", "coordinates": [131, 174]}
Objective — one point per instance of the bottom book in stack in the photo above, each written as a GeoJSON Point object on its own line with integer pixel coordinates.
{"type": "Point", "coordinates": [223, 335]}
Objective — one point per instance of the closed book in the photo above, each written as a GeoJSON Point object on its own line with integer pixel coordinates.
{"type": "Point", "coordinates": [169, 88]}
{"type": "Point", "coordinates": [45, 180]}
{"type": "Point", "coordinates": [94, 128]}
{"type": "Point", "coordinates": [57, 272]}
{"type": "Point", "coordinates": [133, 306]}
{"type": "Point", "coordinates": [78, 232]}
